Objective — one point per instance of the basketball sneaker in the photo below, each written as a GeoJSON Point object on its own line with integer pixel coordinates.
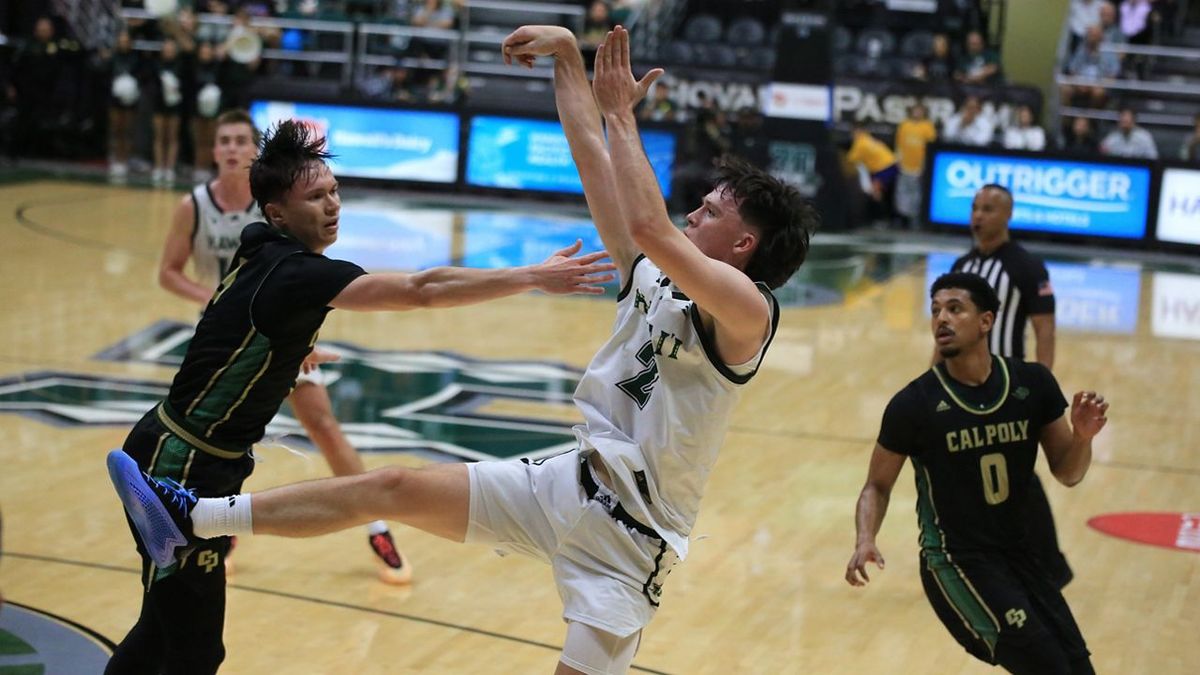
{"type": "Point", "coordinates": [394, 567]}
{"type": "Point", "coordinates": [159, 508]}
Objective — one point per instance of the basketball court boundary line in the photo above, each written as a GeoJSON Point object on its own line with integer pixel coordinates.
{"type": "Point", "coordinates": [319, 601]}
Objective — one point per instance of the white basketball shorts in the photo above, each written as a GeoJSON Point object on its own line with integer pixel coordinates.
{"type": "Point", "coordinates": [609, 569]}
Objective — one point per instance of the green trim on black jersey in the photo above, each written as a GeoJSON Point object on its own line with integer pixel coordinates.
{"type": "Point", "coordinates": [957, 590]}
{"type": "Point", "coordinates": [245, 392]}
{"type": "Point", "coordinates": [231, 384]}
{"type": "Point", "coordinates": [982, 409]}
{"type": "Point", "coordinates": [932, 536]}
{"type": "Point", "coordinates": [220, 371]}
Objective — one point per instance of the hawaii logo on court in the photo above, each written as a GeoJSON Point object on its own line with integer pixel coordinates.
{"type": "Point", "coordinates": [439, 403]}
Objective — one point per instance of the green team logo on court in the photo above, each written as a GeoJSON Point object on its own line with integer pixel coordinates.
{"type": "Point", "coordinates": [33, 642]}
{"type": "Point", "coordinates": [451, 405]}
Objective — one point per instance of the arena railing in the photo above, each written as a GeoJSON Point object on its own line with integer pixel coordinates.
{"type": "Point", "coordinates": [1181, 91]}
{"type": "Point", "coordinates": [366, 57]}
{"type": "Point", "coordinates": [342, 57]}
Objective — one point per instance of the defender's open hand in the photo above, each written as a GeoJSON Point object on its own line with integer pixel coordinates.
{"type": "Point", "coordinates": [562, 273]}
{"type": "Point", "coordinates": [615, 88]}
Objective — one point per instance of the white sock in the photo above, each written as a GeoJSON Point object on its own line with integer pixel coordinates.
{"type": "Point", "coordinates": [217, 516]}
{"type": "Point", "coordinates": [377, 527]}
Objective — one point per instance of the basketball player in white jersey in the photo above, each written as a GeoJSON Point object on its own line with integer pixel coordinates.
{"type": "Point", "coordinates": [207, 229]}
{"type": "Point", "coordinates": [694, 318]}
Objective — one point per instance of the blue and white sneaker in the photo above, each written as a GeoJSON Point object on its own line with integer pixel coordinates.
{"type": "Point", "coordinates": [159, 508]}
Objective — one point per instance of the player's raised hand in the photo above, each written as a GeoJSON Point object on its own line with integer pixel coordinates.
{"type": "Point", "coordinates": [564, 273]}
{"type": "Point", "coordinates": [316, 357]}
{"type": "Point", "coordinates": [856, 569]}
{"type": "Point", "coordinates": [615, 88]}
{"type": "Point", "coordinates": [1088, 410]}
{"type": "Point", "coordinates": [527, 43]}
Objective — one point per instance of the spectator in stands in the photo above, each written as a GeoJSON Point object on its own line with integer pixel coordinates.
{"type": "Point", "coordinates": [140, 29]}
{"type": "Point", "coordinates": [1083, 15]}
{"type": "Point", "coordinates": [182, 27]}
{"type": "Point", "coordinates": [1111, 32]}
{"type": "Point", "coordinates": [126, 69]}
{"type": "Point", "coordinates": [880, 163]}
{"type": "Point", "coordinates": [658, 107]}
{"type": "Point", "coordinates": [1024, 134]}
{"type": "Point", "coordinates": [206, 78]}
{"type": "Point", "coordinates": [37, 67]}
{"type": "Point", "coordinates": [1078, 138]}
{"type": "Point", "coordinates": [1090, 65]}
{"type": "Point", "coordinates": [1168, 12]}
{"type": "Point", "coordinates": [237, 76]}
{"type": "Point", "coordinates": [441, 14]}
{"type": "Point", "coordinates": [168, 105]}
{"type": "Point", "coordinates": [260, 7]}
{"type": "Point", "coordinates": [969, 126]}
{"type": "Point", "coordinates": [437, 14]}
{"type": "Point", "coordinates": [1190, 150]}
{"type": "Point", "coordinates": [215, 33]}
{"type": "Point", "coordinates": [447, 86]}
{"type": "Point", "coordinates": [746, 138]}
{"type": "Point", "coordinates": [912, 135]}
{"type": "Point", "coordinates": [938, 67]}
{"type": "Point", "coordinates": [1128, 139]}
{"type": "Point", "coordinates": [8, 107]}
{"type": "Point", "coordinates": [1137, 18]}
{"type": "Point", "coordinates": [979, 65]}
{"type": "Point", "coordinates": [596, 24]}
{"type": "Point", "coordinates": [390, 83]}
{"type": "Point", "coordinates": [622, 10]}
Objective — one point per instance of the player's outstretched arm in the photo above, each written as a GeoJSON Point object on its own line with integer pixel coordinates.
{"type": "Point", "coordinates": [561, 273]}
{"type": "Point", "coordinates": [1068, 448]}
{"type": "Point", "coordinates": [868, 515]}
{"type": "Point", "coordinates": [176, 251]}
{"type": "Point", "coordinates": [581, 123]}
{"type": "Point", "coordinates": [722, 291]}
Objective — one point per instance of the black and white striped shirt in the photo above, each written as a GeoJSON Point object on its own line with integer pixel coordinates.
{"type": "Point", "coordinates": [1021, 281]}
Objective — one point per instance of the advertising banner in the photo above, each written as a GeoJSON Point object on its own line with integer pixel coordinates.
{"type": "Point", "coordinates": [382, 143]}
{"type": "Point", "coordinates": [1087, 298]}
{"type": "Point", "coordinates": [379, 237]}
{"type": "Point", "coordinates": [508, 239]}
{"type": "Point", "coordinates": [1179, 206]}
{"type": "Point", "coordinates": [1064, 196]}
{"type": "Point", "coordinates": [1095, 299]}
{"type": "Point", "coordinates": [1176, 312]}
{"type": "Point", "coordinates": [518, 153]}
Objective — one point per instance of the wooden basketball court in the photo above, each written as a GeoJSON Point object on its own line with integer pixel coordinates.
{"type": "Point", "coordinates": [762, 591]}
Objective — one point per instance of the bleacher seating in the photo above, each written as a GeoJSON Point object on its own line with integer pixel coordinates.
{"type": "Point", "coordinates": [1159, 81]}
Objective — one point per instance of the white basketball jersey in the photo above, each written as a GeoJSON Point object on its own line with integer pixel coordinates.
{"type": "Point", "coordinates": [216, 235]}
{"type": "Point", "coordinates": [656, 401]}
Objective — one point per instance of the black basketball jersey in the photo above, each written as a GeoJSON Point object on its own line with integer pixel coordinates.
{"type": "Point", "coordinates": [1023, 285]}
{"type": "Point", "coordinates": [972, 450]}
{"type": "Point", "coordinates": [255, 332]}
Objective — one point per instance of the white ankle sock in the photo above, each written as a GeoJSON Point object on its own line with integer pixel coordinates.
{"type": "Point", "coordinates": [376, 527]}
{"type": "Point", "coordinates": [217, 516]}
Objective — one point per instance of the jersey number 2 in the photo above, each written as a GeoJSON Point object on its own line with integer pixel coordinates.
{"type": "Point", "coordinates": [995, 477]}
{"type": "Point", "coordinates": [640, 386]}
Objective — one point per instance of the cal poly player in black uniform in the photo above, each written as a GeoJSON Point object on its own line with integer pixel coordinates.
{"type": "Point", "coordinates": [971, 426]}
{"type": "Point", "coordinates": [1023, 285]}
{"type": "Point", "coordinates": [256, 331]}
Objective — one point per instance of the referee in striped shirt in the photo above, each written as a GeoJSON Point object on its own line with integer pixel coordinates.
{"type": "Point", "coordinates": [1023, 285]}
